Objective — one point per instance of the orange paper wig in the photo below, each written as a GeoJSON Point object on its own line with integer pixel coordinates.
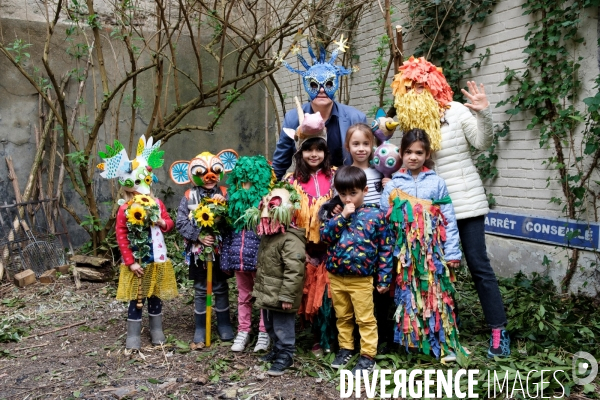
{"type": "Point", "coordinates": [422, 71]}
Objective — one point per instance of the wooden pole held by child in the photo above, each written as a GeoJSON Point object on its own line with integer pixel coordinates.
{"type": "Point", "coordinates": [209, 265]}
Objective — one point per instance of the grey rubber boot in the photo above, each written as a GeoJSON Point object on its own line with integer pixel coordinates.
{"type": "Point", "coordinates": [134, 329]}
{"type": "Point", "coordinates": [224, 326]}
{"type": "Point", "coordinates": [200, 332]}
{"type": "Point", "coordinates": [156, 330]}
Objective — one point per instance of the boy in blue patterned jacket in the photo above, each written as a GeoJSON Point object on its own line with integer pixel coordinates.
{"type": "Point", "coordinates": [359, 248]}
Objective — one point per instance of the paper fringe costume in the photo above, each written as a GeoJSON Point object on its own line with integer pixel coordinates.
{"type": "Point", "coordinates": [159, 280]}
{"type": "Point", "coordinates": [425, 308]}
{"type": "Point", "coordinates": [322, 74]}
{"type": "Point", "coordinates": [255, 171]}
{"type": "Point", "coordinates": [416, 109]}
{"type": "Point", "coordinates": [307, 216]}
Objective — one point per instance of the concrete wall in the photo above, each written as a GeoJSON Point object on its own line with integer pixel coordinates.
{"type": "Point", "coordinates": [521, 185]}
{"type": "Point", "coordinates": [241, 129]}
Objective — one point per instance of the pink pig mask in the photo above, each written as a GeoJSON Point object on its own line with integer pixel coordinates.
{"type": "Point", "coordinates": [313, 124]}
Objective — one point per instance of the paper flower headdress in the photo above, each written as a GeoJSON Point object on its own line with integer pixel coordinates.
{"type": "Point", "coordinates": [134, 175]}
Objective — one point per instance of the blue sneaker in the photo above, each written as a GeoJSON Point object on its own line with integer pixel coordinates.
{"type": "Point", "coordinates": [499, 343]}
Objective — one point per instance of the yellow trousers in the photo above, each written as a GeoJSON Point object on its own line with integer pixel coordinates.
{"type": "Point", "coordinates": [352, 298]}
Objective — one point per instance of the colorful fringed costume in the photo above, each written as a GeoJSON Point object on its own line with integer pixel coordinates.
{"type": "Point", "coordinates": [316, 304]}
{"type": "Point", "coordinates": [313, 194]}
{"type": "Point", "coordinates": [249, 181]}
{"type": "Point", "coordinates": [453, 129]}
{"type": "Point", "coordinates": [426, 239]}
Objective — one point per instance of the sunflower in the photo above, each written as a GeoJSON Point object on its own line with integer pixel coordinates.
{"type": "Point", "coordinates": [144, 200]}
{"type": "Point", "coordinates": [204, 216]}
{"type": "Point", "coordinates": [136, 214]}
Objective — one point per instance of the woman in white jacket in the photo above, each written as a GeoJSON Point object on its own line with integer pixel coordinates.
{"type": "Point", "coordinates": [423, 99]}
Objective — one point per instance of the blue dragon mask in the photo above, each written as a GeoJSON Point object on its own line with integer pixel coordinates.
{"type": "Point", "coordinates": [322, 74]}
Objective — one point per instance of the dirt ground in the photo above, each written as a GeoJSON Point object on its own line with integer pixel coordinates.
{"type": "Point", "coordinates": [74, 348]}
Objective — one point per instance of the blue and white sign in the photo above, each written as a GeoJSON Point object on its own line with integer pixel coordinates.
{"type": "Point", "coordinates": [561, 232]}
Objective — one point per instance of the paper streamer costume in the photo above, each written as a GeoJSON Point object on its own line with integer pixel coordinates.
{"type": "Point", "coordinates": [421, 110]}
{"type": "Point", "coordinates": [425, 308]}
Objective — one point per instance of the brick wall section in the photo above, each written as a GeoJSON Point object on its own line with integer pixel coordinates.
{"type": "Point", "coordinates": [522, 182]}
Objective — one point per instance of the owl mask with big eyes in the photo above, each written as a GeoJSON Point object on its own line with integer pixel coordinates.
{"type": "Point", "coordinates": [134, 175]}
{"type": "Point", "coordinates": [322, 74]}
{"type": "Point", "coordinates": [204, 169]}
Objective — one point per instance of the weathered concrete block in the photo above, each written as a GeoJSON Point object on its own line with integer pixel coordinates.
{"type": "Point", "coordinates": [509, 256]}
{"type": "Point", "coordinates": [24, 278]}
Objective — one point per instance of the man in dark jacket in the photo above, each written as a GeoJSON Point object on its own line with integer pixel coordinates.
{"type": "Point", "coordinates": [321, 81]}
{"type": "Point", "coordinates": [280, 276]}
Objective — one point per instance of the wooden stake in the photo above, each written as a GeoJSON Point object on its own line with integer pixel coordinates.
{"type": "Point", "coordinates": [399, 53]}
{"type": "Point", "coordinates": [13, 177]}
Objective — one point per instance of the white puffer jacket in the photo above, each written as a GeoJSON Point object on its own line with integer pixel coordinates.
{"type": "Point", "coordinates": [453, 161]}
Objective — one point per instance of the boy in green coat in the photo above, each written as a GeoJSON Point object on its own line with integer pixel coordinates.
{"type": "Point", "coordinates": [280, 272]}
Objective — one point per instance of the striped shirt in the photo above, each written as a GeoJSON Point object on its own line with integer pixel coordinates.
{"type": "Point", "coordinates": [374, 178]}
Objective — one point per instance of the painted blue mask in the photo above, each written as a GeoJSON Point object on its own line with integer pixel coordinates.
{"type": "Point", "coordinates": [322, 74]}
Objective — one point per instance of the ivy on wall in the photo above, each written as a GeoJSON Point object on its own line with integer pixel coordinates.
{"type": "Point", "coordinates": [548, 90]}
{"type": "Point", "coordinates": [444, 26]}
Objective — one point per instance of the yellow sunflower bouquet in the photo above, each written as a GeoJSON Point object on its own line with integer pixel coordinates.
{"type": "Point", "coordinates": [142, 212]}
{"type": "Point", "coordinates": [210, 215]}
